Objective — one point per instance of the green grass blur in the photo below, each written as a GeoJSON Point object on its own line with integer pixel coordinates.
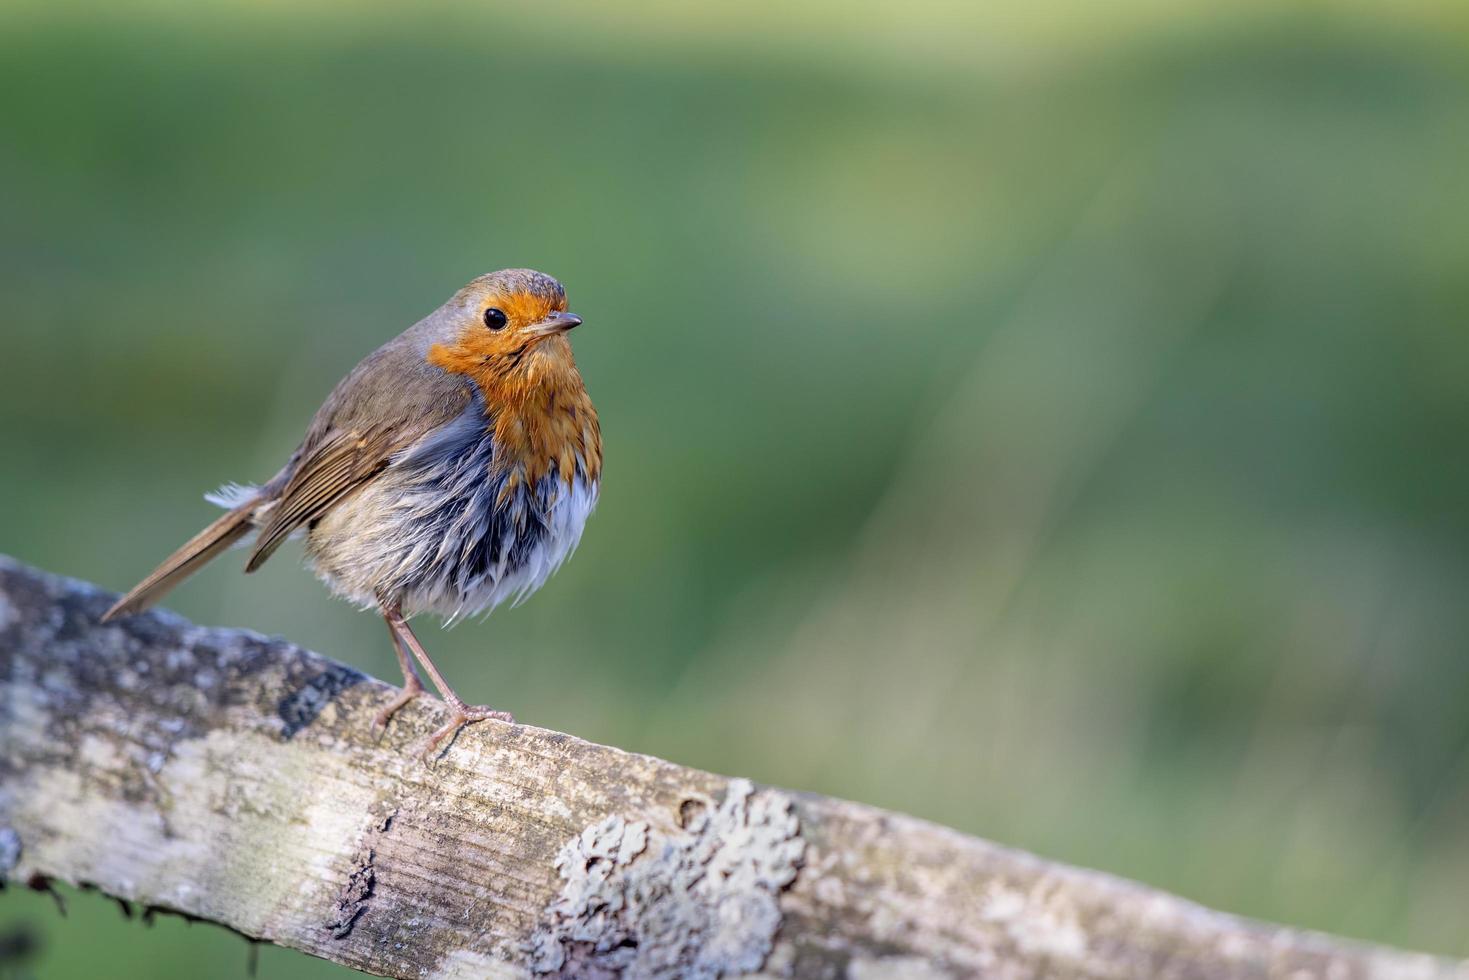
{"type": "Point", "coordinates": [1054, 425]}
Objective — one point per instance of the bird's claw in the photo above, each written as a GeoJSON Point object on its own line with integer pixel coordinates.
{"type": "Point", "coordinates": [465, 715]}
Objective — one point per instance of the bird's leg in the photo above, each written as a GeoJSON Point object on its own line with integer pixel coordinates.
{"type": "Point", "coordinates": [464, 713]}
{"type": "Point", "coordinates": [412, 683]}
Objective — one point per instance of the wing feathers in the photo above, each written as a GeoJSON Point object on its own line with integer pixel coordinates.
{"type": "Point", "coordinates": [338, 466]}
{"type": "Point", "coordinates": [385, 404]}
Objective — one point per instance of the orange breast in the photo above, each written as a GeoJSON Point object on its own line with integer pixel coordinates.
{"type": "Point", "coordinates": [542, 416]}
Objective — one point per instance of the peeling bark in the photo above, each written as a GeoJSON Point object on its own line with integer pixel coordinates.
{"type": "Point", "coordinates": [236, 778]}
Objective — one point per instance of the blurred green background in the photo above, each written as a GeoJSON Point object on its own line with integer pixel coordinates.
{"type": "Point", "coordinates": [1048, 420]}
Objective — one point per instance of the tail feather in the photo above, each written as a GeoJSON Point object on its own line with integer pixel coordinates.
{"type": "Point", "coordinates": [194, 555]}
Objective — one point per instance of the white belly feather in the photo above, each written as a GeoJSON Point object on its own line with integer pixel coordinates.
{"type": "Point", "coordinates": [433, 532]}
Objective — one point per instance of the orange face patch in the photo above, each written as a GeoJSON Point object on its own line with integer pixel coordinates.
{"type": "Point", "coordinates": [543, 419]}
{"type": "Point", "coordinates": [525, 308]}
{"type": "Point", "coordinates": [486, 354]}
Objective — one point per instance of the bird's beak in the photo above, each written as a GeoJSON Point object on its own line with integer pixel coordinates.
{"type": "Point", "coordinates": [555, 323]}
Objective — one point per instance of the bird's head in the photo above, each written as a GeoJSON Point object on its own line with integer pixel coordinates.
{"type": "Point", "coordinates": [507, 331]}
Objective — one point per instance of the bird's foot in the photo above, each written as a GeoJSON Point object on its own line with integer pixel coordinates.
{"type": "Point", "coordinates": [412, 688]}
{"type": "Point", "coordinates": [464, 714]}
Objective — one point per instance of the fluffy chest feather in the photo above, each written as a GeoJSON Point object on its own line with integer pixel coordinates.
{"type": "Point", "coordinates": [480, 511]}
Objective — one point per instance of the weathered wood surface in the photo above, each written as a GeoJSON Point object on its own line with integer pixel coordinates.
{"type": "Point", "coordinates": [236, 778]}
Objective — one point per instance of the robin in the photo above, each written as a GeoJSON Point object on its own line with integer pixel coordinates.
{"type": "Point", "coordinates": [452, 469]}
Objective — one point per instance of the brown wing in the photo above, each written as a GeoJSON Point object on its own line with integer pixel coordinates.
{"type": "Point", "coordinates": [386, 404]}
{"type": "Point", "coordinates": [339, 464]}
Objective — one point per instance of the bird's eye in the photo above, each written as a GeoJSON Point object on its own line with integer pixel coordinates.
{"type": "Point", "coordinates": [496, 319]}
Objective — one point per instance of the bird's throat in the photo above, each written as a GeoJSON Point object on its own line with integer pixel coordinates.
{"type": "Point", "coordinates": [537, 407]}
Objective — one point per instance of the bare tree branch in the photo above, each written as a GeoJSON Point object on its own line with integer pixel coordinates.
{"type": "Point", "coordinates": [236, 778]}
